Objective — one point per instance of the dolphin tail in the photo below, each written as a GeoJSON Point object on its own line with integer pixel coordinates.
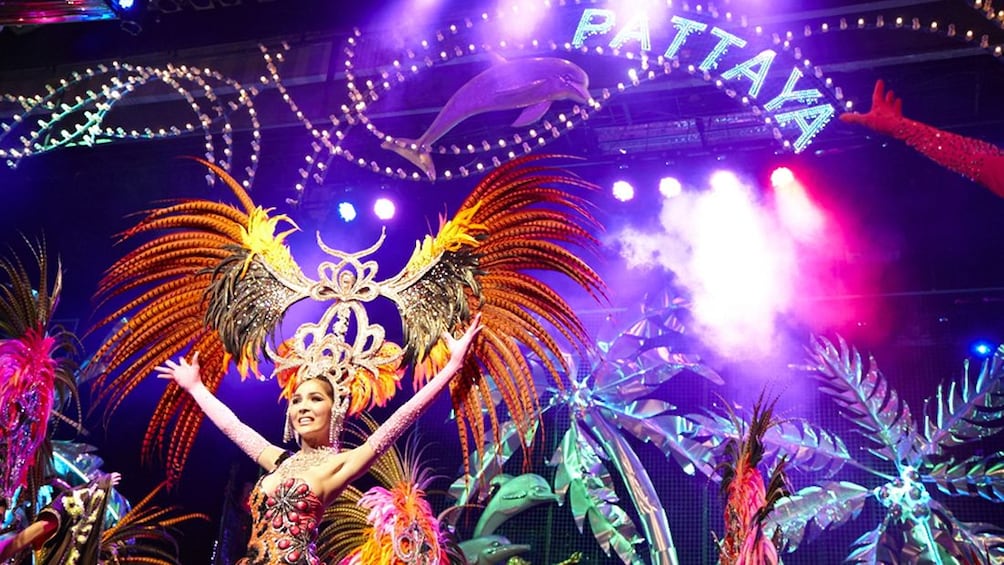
{"type": "Point", "coordinates": [414, 152]}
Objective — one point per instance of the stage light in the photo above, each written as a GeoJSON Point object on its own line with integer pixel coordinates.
{"type": "Point", "coordinates": [781, 176]}
{"type": "Point", "coordinates": [346, 211]}
{"type": "Point", "coordinates": [623, 190]}
{"type": "Point", "coordinates": [123, 4]}
{"type": "Point", "coordinates": [982, 348]}
{"type": "Point", "coordinates": [670, 187]}
{"type": "Point", "coordinates": [798, 213]}
{"type": "Point", "coordinates": [725, 181]}
{"type": "Point", "coordinates": [384, 208]}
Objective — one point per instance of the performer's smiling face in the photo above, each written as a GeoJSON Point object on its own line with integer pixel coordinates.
{"type": "Point", "coordinates": [309, 409]}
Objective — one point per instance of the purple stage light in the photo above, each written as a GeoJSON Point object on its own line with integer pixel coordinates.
{"type": "Point", "coordinates": [623, 190]}
{"type": "Point", "coordinates": [384, 208]}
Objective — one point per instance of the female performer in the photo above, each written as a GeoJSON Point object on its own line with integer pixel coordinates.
{"type": "Point", "coordinates": [288, 502]}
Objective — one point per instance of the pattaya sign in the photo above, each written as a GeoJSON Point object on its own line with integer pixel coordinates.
{"type": "Point", "coordinates": [773, 82]}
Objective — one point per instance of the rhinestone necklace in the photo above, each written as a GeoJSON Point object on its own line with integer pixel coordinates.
{"type": "Point", "coordinates": [302, 461]}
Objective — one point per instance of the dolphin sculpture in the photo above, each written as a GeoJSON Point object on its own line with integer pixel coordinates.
{"type": "Point", "coordinates": [531, 84]}
{"type": "Point", "coordinates": [514, 495]}
{"type": "Point", "coordinates": [490, 550]}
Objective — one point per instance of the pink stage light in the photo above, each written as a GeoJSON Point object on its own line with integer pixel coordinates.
{"type": "Point", "coordinates": [798, 213]}
{"type": "Point", "coordinates": [623, 190]}
{"type": "Point", "coordinates": [781, 176]}
{"type": "Point", "coordinates": [384, 208]}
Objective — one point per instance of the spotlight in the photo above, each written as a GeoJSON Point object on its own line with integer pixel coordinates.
{"type": "Point", "coordinates": [384, 208]}
{"type": "Point", "coordinates": [346, 211]}
{"type": "Point", "coordinates": [781, 176]}
{"type": "Point", "coordinates": [802, 217]}
{"type": "Point", "coordinates": [670, 187]}
{"type": "Point", "coordinates": [623, 191]}
{"type": "Point", "coordinates": [725, 181]}
{"type": "Point", "coordinates": [123, 4]}
{"type": "Point", "coordinates": [982, 348]}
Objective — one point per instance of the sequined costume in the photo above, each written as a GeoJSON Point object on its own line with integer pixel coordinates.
{"type": "Point", "coordinates": [284, 523]}
{"type": "Point", "coordinates": [79, 514]}
{"type": "Point", "coordinates": [972, 158]}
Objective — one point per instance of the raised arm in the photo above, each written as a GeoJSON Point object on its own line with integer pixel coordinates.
{"type": "Point", "coordinates": [972, 158]}
{"type": "Point", "coordinates": [362, 457]}
{"type": "Point", "coordinates": [186, 375]}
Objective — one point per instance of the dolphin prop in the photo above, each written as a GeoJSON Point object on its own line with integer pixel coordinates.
{"type": "Point", "coordinates": [490, 550]}
{"type": "Point", "coordinates": [531, 84]}
{"type": "Point", "coordinates": [514, 495]}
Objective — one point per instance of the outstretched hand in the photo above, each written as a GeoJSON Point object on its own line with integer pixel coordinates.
{"type": "Point", "coordinates": [885, 113]}
{"type": "Point", "coordinates": [458, 347]}
{"type": "Point", "coordinates": [185, 374]}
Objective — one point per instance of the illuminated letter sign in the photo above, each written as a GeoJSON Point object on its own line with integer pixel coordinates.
{"type": "Point", "coordinates": [716, 49]}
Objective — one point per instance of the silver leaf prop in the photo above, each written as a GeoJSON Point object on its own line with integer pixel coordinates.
{"type": "Point", "coordinates": [968, 408]}
{"type": "Point", "coordinates": [830, 504]}
{"type": "Point", "coordinates": [915, 527]}
{"type": "Point", "coordinates": [805, 447]}
{"type": "Point", "coordinates": [867, 400]}
{"type": "Point", "coordinates": [982, 476]}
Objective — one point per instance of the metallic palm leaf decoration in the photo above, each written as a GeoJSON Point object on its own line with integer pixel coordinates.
{"type": "Point", "coordinates": [36, 371]}
{"type": "Point", "coordinates": [217, 279]}
{"type": "Point", "coordinates": [805, 447]}
{"type": "Point", "coordinates": [610, 397]}
{"type": "Point", "coordinates": [911, 462]}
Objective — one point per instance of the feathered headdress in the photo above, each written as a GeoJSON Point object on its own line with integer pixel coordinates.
{"type": "Point", "coordinates": [36, 370]}
{"type": "Point", "coordinates": [749, 499]}
{"type": "Point", "coordinates": [218, 280]}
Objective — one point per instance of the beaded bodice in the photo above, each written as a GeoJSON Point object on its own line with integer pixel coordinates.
{"type": "Point", "coordinates": [284, 525]}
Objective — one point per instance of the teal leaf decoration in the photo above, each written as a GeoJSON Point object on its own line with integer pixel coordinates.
{"type": "Point", "coordinates": [671, 433]}
{"type": "Point", "coordinates": [866, 548]}
{"type": "Point", "coordinates": [487, 466]}
{"type": "Point", "coordinates": [584, 481]}
{"type": "Point", "coordinates": [976, 476]}
{"type": "Point", "coordinates": [968, 408]}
